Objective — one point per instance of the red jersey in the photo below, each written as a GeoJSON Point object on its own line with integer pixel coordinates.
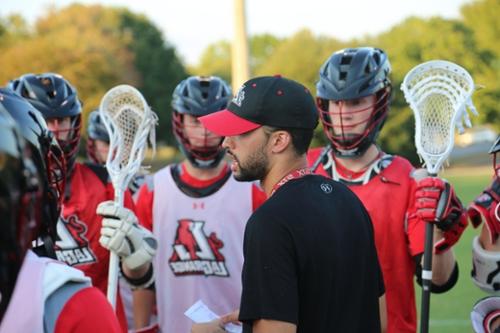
{"type": "Point", "coordinates": [388, 195]}
{"type": "Point", "coordinates": [78, 229]}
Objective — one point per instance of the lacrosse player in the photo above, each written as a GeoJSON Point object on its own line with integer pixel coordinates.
{"type": "Point", "coordinates": [38, 294]}
{"type": "Point", "coordinates": [80, 240]}
{"type": "Point", "coordinates": [198, 212]}
{"type": "Point", "coordinates": [98, 147]}
{"type": "Point", "coordinates": [486, 250]}
{"type": "Point", "coordinates": [353, 98]}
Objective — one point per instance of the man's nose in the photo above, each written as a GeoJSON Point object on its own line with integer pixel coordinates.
{"type": "Point", "coordinates": [227, 142]}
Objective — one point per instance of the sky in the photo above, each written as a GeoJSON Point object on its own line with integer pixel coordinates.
{"type": "Point", "coordinates": [191, 25]}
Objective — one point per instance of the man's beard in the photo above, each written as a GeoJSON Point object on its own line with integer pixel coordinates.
{"type": "Point", "coordinates": [255, 168]}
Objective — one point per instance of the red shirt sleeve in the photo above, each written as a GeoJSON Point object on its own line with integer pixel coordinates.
{"type": "Point", "coordinates": [144, 207]}
{"type": "Point", "coordinates": [258, 197]}
{"type": "Point", "coordinates": [87, 311]}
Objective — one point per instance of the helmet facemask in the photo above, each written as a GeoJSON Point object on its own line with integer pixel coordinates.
{"type": "Point", "coordinates": [55, 163]}
{"type": "Point", "coordinates": [70, 143]}
{"type": "Point", "coordinates": [194, 97]}
{"type": "Point", "coordinates": [495, 151]}
{"type": "Point", "coordinates": [97, 139]}
{"type": "Point", "coordinates": [355, 126]}
{"type": "Point", "coordinates": [201, 147]}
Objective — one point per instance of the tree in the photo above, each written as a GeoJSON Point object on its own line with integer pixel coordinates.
{"type": "Point", "coordinates": [97, 48]}
{"type": "Point", "coordinates": [482, 18]}
{"type": "Point", "coordinates": [216, 59]}
{"type": "Point", "coordinates": [157, 63]}
{"type": "Point", "coordinates": [417, 42]}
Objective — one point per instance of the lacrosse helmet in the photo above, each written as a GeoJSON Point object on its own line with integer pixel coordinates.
{"type": "Point", "coordinates": [198, 96]}
{"type": "Point", "coordinates": [494, 150]}
{"type": "Point", "coordinates": [350, 74]}
{"type": "Point", "coordinates": [45, 152]}
{"type": "Point", "coordinates": [96, 130]}
{"type": "Point", "coordinates": [54, 97]}
{"type": "Point", "coordinates": [21, 194]}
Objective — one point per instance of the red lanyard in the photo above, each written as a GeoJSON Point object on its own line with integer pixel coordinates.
{"type": "Point", "coordinates": [292, 175]}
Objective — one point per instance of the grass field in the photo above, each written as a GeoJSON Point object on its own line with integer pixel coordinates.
{"type": "Point", "coordinates": [450, 312]}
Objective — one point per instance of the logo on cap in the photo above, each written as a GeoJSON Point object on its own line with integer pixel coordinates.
{"type": "Point", "coordinates": [240, 96]}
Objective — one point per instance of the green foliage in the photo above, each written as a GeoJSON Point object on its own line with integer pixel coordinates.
{"type": "Point", "coordinates": [158, 65]}
{"type": "Point", "coordinates": [95, 48]}
{"type": "Point", "coordinates": [216, 59]}
{"type": "Point", "coordinates": [300, 57]}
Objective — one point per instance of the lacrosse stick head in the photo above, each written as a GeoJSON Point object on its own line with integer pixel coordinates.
{"type": "Point", "coordinates": [439, 93]}
{"type": "Point", "coordinates": [130, 124]}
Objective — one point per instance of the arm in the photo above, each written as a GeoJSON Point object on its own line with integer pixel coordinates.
{"type": "Point", "coordinates": [143, 303]}
{"type": "Point", "coordinates": [273, 326]}
{"type": "Point", "coordinates": [436, 202]}
{"type": "Point", "coordinates": [443, 263]}
{"type": "Point", "coordinates": [383, 313]}
{"type": "Point", "coordinates": [486, 247]}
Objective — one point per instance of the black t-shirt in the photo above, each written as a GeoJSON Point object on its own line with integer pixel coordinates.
{"type": "Point", "coordinates": [310, 259]}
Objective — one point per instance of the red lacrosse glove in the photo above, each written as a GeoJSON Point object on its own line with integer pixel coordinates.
{"type": "Point", "coordinates": [487, 207]}
{"type": "Point", "coordinates": [437, 203]}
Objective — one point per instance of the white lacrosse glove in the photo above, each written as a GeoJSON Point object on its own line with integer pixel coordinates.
{"type": "Point", "coordinates": [122, 234]}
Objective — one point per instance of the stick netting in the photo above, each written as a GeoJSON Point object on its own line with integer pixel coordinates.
{"type": "Point", "coordinates": [438, 93]}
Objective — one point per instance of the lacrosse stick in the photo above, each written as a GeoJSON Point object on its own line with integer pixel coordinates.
{"type": "Point", "coordinates": [130, 124]}
{"type": "Point", "coordinates": [322, 155]}
{"type": "Point", "coordinates": [439, 93]}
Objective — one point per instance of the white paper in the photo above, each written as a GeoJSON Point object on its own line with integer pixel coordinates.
{"type": "Point", "coordinates": [200, 313]}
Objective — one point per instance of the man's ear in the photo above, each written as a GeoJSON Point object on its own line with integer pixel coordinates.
{"type": "Point", "coordinates": [280, 141]}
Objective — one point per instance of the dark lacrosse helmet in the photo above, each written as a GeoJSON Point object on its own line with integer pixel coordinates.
{"type": "Point", "coordinates": [351, 74]}
{"type": "Point", "coordinates": [54, 97]}
{"type": "Point", "coordinates": [46, 155]}
{"type": "Point", "coordinates": [95, 131]}
{"type": "Point", "coordinates": [22, 179]}
{"type": "Point", "coordinates": [198, 96]}
{"type": "Point", "coordinates": [494, 150]}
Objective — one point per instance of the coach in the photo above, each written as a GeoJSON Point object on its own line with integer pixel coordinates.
{"type": "Point", "coordinates": [310, 259]}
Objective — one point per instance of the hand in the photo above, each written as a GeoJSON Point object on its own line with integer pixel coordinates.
{"type": "Point", "coordinates": [214, 326]}
{"type": "Point", "coordinates": [122, 234]}
{"type": "Point", "coordinates": [487, 207]}
{"type": "Point", "coordinates": [231, 317]}
{"type": "Point", "coordinates": [436, 202]}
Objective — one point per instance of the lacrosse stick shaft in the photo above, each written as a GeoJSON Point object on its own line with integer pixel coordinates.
{"type": "Point", "coordinates": [426, 278]}
{"type": "Point", "coordinates": [114, 260]}
{"type": "Point", "coordinates": [129, 122]}
{"type": "Point", "coordinates": [324, 152]}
